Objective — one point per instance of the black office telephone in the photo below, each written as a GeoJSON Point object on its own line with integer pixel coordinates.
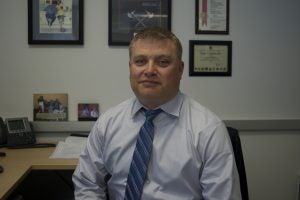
{"type": "Point", "coordinates": [16, 132]}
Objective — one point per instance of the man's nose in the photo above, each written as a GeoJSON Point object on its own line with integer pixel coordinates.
{"type": "Point", "coordinates": [150, 68]}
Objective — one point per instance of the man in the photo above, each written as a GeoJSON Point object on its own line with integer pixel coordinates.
{"type": "Point", "coordinates": [191, 155]}
{"type": "Point", "coordinates": [50, 13]}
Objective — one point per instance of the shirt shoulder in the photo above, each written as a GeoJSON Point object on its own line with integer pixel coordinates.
{"type": "Point", "coordinates": [121, 107]}
{"type": "Point", "coordinates": [199, 113]}
{"type": "Point", "coordinates": [117, 114]}
{"type": "Point", "coordinates": [196, 108]}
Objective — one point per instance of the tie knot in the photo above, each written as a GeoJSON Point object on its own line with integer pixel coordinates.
{"type": "Point", "coordinates": [151, 114]}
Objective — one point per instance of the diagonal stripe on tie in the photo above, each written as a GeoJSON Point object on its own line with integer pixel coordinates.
{"type": "Point", "coordinates": [140, 159]}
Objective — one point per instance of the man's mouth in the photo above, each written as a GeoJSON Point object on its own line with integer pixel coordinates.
{"type": "Point", "coordinates": [149, 82]}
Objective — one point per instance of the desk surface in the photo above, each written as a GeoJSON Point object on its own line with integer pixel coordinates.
{"type": "Point", "coordinates": [19, 162]}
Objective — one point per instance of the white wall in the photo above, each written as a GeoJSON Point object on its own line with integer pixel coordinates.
{"type": "Point", "coordinates": [265, 82]}
{"type": "Point", "coordinates": [272, 161]}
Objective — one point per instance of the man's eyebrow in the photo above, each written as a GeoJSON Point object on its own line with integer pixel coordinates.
{"type": "Point", "coordinates": [164, 56]}
{"type": "Point", "coordinates": [139, 56]}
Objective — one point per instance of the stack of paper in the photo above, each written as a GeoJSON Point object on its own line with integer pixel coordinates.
{"type": "Point", "coordinates": [70, 148]}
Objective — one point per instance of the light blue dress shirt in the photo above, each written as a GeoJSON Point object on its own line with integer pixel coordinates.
{"type": "Point", "coordinates": [192, 157]}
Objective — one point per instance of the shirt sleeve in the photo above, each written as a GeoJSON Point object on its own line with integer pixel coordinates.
{"type": "Point", "coordinates": [90, 172]}
{"type": "Point", "coordinates": [219, 178]}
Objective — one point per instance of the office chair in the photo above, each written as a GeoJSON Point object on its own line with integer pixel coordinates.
{"type": "Point", "coordinates": [239, 159]}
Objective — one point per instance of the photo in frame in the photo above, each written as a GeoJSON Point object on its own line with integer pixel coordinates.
{"type": "Point", "coordinates": [210, 58]}
{"type": "Point", "coordinates": [50, 107]}
{"type": "Point", "coordinates": [126, 17]}
{"type": "Point", "coordinates": [88, 111]}
{"type": "Point", "coordinates": [212, 17]}
{"type": "Point", "coordinates": [55, 22]}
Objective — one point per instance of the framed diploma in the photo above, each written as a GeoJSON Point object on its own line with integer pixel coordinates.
{"type": "Point", "coordinates": [55, 22]}
{"type": "Point", "coordinates": [212, 17]}
{"type": "Point", "coordinates": [126, 17]}
{"type": "Point", "coordinates": [210, 58]}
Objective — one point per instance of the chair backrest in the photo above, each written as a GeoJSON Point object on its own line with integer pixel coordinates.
{"type": "Point", "coordinates": [239, 159]}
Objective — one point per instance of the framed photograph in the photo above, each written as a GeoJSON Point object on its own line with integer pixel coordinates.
{"type": "Point", "coordinates": [126, 17]}
{"type": "Point", "coordinates": [55, 22]}
{"type": "Point", "coordinates": [50, 107]}
{"type": "Point", "coordinates": [210, 58]}
{"type": "Point", "coordinates": [212, 17]}
{"type": "Point", "coordinates": [88, 111]}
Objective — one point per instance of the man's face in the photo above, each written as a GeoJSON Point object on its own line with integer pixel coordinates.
{"type": "Point", "coordinates": [155, 71]}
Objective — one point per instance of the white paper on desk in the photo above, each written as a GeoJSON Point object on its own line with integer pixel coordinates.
{"type": "Point", "coordinates": [76, 140]}
{"type": "Point", "coordinates": [70, 148]}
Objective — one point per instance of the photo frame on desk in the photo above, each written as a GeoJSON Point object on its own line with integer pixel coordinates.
{"type": "Point", "coordinates": [88, 111]}
{"type": "Point", "coordinates": [210, 58]}
{"type": "Point", "coordinates": [50, 107]}
{"type": "Point", "coordinates": [126, 17]}
{"type": "Point", "coordinates": [55, 22]}
{"type": "Point", "coordinates": [212, 17]}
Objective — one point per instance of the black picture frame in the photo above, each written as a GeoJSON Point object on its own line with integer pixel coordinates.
{"type": "Point", "coordinates": [61, 26]}
{"type": "Point", "coordinates": [210, 58]}
{"type": "Point", "coordinates": [88, 111]}
{"type": "Point", "coordinates": [212, 17]}
{"type": "Point", "coordinates": [126, 17]}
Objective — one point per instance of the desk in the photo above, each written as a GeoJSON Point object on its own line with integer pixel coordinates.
{"type": "Point", "coordinates": [19, 162]}
{"type": "Point", "coordinates": [298, 186]}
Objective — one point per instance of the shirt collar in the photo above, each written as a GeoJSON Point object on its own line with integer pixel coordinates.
{"type": "Point", "coordinates": [172, 107]}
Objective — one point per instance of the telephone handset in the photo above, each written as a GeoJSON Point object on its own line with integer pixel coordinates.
{"type": "Point", "coordinates": [3, 132]}
{"type": "Point", "coordinates": [17, 132]}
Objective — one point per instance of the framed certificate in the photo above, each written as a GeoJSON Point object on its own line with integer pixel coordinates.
{"type": "Point", "coordinates": [55, 22]}
{"type": "Point", "coordinates": [126, 17]}
{"type": "Point", "coordinates": [212, 17]}
{"type": "Point", "coordinates": [210, 58]}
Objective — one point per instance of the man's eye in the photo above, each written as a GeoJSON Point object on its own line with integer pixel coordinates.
{"type": "Point", "coordinates": [164, 62]}
{"type": "Point", "coordinates": [140, 62]}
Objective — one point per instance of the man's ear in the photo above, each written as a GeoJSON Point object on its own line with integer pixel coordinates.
{"type": "Point", "coordinates": [181, 67]}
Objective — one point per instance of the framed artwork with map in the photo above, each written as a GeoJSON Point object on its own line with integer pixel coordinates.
{"type": "Point", "coordinates": [126, 17]}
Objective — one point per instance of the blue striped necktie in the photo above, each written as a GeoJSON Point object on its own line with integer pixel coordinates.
{"type": "Point", "coordinates": [141, 157]}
